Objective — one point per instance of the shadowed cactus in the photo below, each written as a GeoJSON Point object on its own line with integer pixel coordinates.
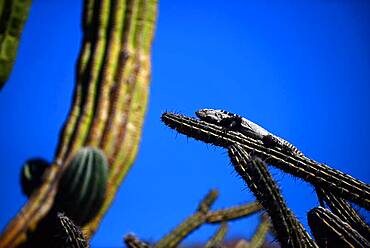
{"type": "Point", "coordinates": [330, 231]}
{"type": "Point", "coordinates": [83, 185]}
{"type": "Point", "coordinates": [68, 234]}
{"type": "Point", "coordinates": [31, 175]}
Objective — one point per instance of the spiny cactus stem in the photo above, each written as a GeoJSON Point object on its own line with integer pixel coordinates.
{"type": "Point", "coordinates": [208, 201]}
{"type": "Point", "coordinates": [309, 170]}
{"type": "Point", "coordinates": [290, 231]}
{"type": "Point", "coordinates": [232, 213]}
{"type": "Point", "coordinates": [260, 235]}
{"type": "Point", "coordinates": [203, 215]}
{"type": "Point", "coordinates": [71, 235]}
{"type": "Point", "coordinates": [344, 211]}
{"type": "Point", "coordinates": [330, 231]}
{"type": "Point", "coordinates": [218, 238]}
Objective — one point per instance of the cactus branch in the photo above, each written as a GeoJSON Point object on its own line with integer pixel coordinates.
{"type": "Point", "coordinates": [330, 231]}
{"type": "Point", "coordinates": [13, 15]}
{"type": "Point", "coordinates": [203, 215]}
{"type": "Point", "coordinates": [290, 231]}
{"type": "Point", "coordinates": [335, 181]}
{"type": "Point", "coordinates": [344, 211]}
{"type": "Point", "coordinates": [260, 235]}
{"type": "Point", "coordinates": [218, 238]}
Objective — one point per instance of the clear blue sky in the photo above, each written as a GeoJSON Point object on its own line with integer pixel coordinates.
{"type": "Point", "coordinates": [300, 70]}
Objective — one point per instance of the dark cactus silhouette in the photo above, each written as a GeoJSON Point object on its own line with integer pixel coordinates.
{"type": "Point", "coordinates": [31, 175]}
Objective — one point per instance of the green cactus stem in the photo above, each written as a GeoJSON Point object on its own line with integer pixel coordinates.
{"type": "Point", "coordinates": [204, 215]}
{"type": "Point", "coordinates": [290, 231]}
{"type": "Point", "coordinates": [31, 175]}
{"type": "Point", "coordinates": [109, 104]}
{"type": "Point", "coordinates": [13, 15]}
{"type": "Point", "coordinates": [259, 237]}
{"type": "Point", "coordinates": [330, 231]}
{"type": "Point", "coordinates": [217, 239]}
{"type": "Point", "coordinates": [232, 213]}
{"type": "Point", "coordinates": [83, 185]}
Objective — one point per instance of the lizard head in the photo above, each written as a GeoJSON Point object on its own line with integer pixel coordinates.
{"type": "Point", "coordinates": [219, 117]}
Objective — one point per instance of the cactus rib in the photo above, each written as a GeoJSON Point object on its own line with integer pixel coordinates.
{"type": "Point", "coordinates": [330, 231]}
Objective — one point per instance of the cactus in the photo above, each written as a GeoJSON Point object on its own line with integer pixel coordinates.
{"type": "Point", "coordinates": [132, 241]}
{"type": "Point", "coordinates": [344, 211]}
{"type": "Point", "coordinates": [217, 239]}
{"type": "Point", "coordinates": [290, 231]}
{"type": "Point", "coordinates": [204, 215]}
{"type": "Point", "coordinates": [83, 185]}
{"type": "Point", "coordinates": [330, 231]}
{"type": "Point", "coordinates": [259, 236]}
{"type": "Point", "coordinates": [109, 105]}
{"type": "Point", "coordinates": [31, 175]}
{"type": "Point", "coordinates": [13, 15]}
{"type": "Point", "coordinates": [68, 234]}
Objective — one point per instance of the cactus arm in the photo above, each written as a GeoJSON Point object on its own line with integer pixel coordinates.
{"type": "Point", "coordinates": [218, 238]}
{"type": "Point", "coordinates": [232, 213]}
{"type": "Point", "coordinates": [132, 241]}
{"type": "Point", "coordinates": [70, 235]}
{"type": "Point", "coordinates": [13, 15]}
{"type": "Point", "coordinates": [330, 231]}
{"type": "Point", "coordinates": [109, 69]}
{"type": "Point", "coordinates": [344, 211]}
{"type": "Point", "coordinates": [337, 182]}
{"type": "Point", "coordinates": [204, 215]}
{"type": "Point", "coordinates": [190, 224]}
{"type": "Point", "coordinates": [89, 29]}
{"type": "Point", "coordinates": [90, 79]}
{"type": "Point", "coordinates": [290, 231]}
{"type": "Point", "coordinates": [259, 236]}
{"type": "Point", "coordinates": [126, 149]}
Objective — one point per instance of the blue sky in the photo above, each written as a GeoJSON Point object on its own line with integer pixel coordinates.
{"type": "Point", "coordinates": [300, 70]}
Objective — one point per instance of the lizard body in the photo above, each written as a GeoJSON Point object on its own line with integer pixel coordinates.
{"type": "Point", "coordinates": [242, 125]}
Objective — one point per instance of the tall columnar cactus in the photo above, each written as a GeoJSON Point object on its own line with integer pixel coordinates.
{"type": "Point", "coordinates": [109, 103]}
{"type": "Point", "coordinates": [13, 15]}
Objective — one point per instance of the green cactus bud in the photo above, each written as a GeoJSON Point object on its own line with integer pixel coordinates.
{"type": "Point", "coordinates": [83, 185]}
{"type": "Point", "coordinates": [31, 175]}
